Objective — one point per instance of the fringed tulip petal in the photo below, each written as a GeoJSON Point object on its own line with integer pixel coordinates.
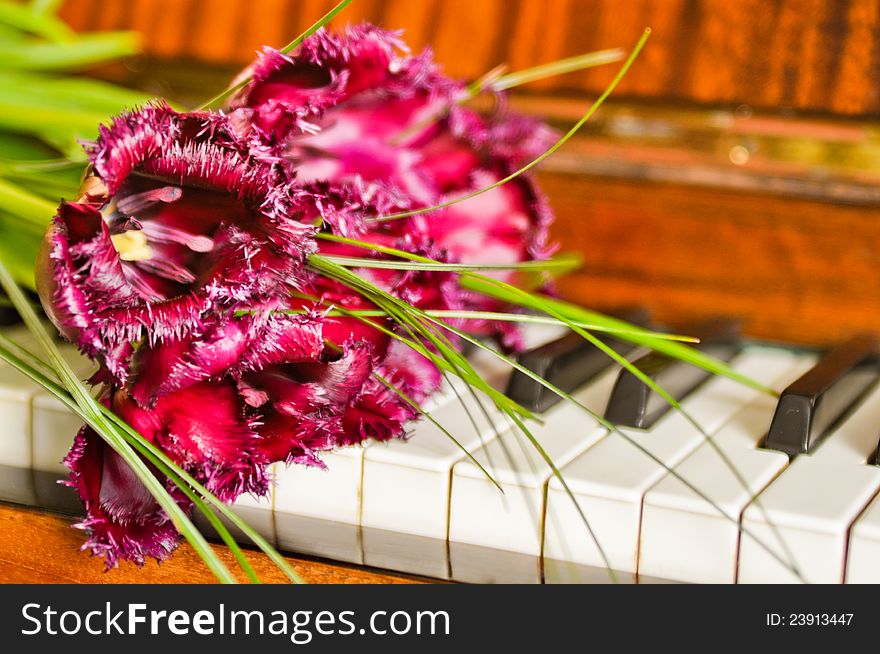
{"type": "Point", "coordinates": [123, 520]}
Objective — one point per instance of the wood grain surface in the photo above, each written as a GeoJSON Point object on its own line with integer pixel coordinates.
{"type": "Point", "coordinates": [803, 55]}
{"type": "Point", "coordinates": [795, 270]}
{"type": "Point", "coordinates": [41, 547]}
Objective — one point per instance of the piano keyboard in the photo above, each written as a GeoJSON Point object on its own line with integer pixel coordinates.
{"type": "Point", "coordinates": [663, 503]}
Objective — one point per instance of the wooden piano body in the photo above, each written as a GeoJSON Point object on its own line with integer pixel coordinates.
{"type": "Point", "coordinates": [735, 172]}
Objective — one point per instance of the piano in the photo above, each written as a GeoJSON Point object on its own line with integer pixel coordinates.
{"type": "Point", "coordinates": [756, 489]}
{"type": "Point", "coordinates": [734, 173]}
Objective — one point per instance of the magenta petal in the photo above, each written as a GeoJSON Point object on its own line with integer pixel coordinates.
{"type": "Point", "coordinates": [122, 518]}
{"type": "Point", "coordinates": [410, 372]}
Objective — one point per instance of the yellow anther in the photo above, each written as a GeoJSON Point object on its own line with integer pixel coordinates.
{"type": "Point", "coordinates": [132, 245]}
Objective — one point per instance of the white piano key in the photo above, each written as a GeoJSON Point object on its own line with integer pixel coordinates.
{"type": "Point", "coordinates": [15, 394]}
{"type": "Point", "coordinates": [813, 503]}
{"type": "Point", "coordinates": [863, 562]}
{"type": "Point", "coordinates": [495, 537]}
{"type": "Point", "coordinates": [317, 512]}
{"type": "Point", "coordinates": [55, 425]}
{"type": "Point", "coordinates": [19, 452]}
{"type": "Point", "coordinates": [255, 511]}
{"type": "Point", "coordinates": [16, 391]}
{"type": "Point", "coordinates": [17, 485]}
{"type": "Point", "coordinates": [610, 479]}
{"type": "Point", "coordinates": [406, 490]}
{"type": "Point", "coordinates": [685, 538]}
{"type": "Point", "coordinates": [406, 485]}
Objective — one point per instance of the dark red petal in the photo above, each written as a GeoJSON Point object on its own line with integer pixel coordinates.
{"type": "Point", "coordinates": [174, 365]}
{"type": "Point", "coordinates": [378, 414]}
{"type": "Point", "coordinates": [202, 429]}
{"type": "Point", "coordinates": [294, 439]}
{"type": "Point", "coordinates": [343, 379]}
{"type": "Point", "coordinates": [122, 518]}
{"type": "Point", "coordinates": [283, 339]}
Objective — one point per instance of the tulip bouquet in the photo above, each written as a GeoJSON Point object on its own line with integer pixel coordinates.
{"type": "Point", "coordinates": [291, 268]}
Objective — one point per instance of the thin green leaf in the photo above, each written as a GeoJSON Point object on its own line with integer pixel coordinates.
{"type": "Point", "coordinates": [557, 68]}
{"type": "Point", "coordinates": [525, 318]}
{"type": "Point", "coordinates": [573, 312]}
{"type": "Point", "coordinates": [559, 265]}
{"type": "Point", "coordinates": [38, 23]}
{"type": "Point", "coordinates": [19, 202]}
{"type": "Point", "coordinates": [85, 51]}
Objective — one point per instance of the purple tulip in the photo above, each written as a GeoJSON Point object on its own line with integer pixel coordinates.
{"type": "Point", "coordinates": [354, 116]}
{"type": "Point", "coordinates": [183, 264]}
{"type": "Point", "coordinates": [176, 230]}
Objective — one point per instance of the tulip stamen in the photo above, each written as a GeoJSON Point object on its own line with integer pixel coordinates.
{"type": "Point", "coordinates": [165, 234]}
{"type": "Point", "coordinates": [132, 245]}
{"type": "Point", "coordinates": [133, 204]}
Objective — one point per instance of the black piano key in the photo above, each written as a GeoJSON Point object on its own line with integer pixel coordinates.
{"type": "Point", "coordinates": [567, 363]}
{"type": "Point", "coordinates": [813, 404]}
{"type": "Point", "coordinates": [634, 404]}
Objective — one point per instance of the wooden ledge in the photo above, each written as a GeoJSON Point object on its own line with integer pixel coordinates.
{"type": "Point", "coordinates": [38, 547]}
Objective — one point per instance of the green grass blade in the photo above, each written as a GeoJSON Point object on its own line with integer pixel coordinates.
{"type": "Point", "coordinates": [558, 265]}
{"type": "Point", "coordinates": [19, 202]}
{"type": "Point", "coordinates": [38, 23]}
{"type": "Point", "coordinates": [556, 68]}
{"type": "Point", "coordinates": [85, 51]}
{"type": "Point", "coordinates": [573, 312]}
{"type": "Point", "coordinates": [524, 318]}
{"type": "Point", "coordinates": [424, 414]}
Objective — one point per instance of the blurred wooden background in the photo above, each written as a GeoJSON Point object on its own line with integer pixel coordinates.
{"type": "Point", "coordinates": [736, 171]}
{"type": "Point", "coordinates": [813, 55]}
